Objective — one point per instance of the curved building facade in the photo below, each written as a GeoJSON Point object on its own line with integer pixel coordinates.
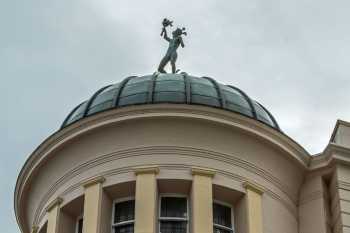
{"type": "Point", "coordinates": [173, 153]}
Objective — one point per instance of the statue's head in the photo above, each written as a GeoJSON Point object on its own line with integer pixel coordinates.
{"type": "Point", "coordinates": [178, 32]}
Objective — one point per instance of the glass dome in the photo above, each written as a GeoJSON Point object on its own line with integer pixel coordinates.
{"type": "Point", "coordinates": [171, 88]}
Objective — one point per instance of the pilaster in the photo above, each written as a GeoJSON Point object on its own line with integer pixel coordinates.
{"type": "Point", "coordinates": [146, 199]}
{"type": "Point", "coordinates": [254, 207]}
{"type": "Point", "coordinates": [202, 200]}
{"type": "Point", "coordinates": [53, 218]}
{"type": "Point", "coordinates": [92, 205]}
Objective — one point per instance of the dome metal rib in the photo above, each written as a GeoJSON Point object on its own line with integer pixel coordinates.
{"type": "Point", "coordinates": [92, 99]}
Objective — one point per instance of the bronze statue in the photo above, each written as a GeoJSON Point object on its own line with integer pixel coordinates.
{"type": "Point", "coordinates": [171, 54]}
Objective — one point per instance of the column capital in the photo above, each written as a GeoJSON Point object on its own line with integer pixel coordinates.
{"type": "Point", "coordinates": [92, 181]}
{"type": "Point", "coordinates": [253, 187]}
{"type": "Point", "coordinates": [203, 171]}
{"type": "Point", "coordinates": [146, 170]}
{"type": "Point", "coordinates": [54, 203]}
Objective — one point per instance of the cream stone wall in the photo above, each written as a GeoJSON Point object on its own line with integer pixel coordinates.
{"type": "Point", "coordinates": [277, 218]}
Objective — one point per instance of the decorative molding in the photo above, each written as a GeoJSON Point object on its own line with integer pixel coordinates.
{"type": "Point", "coordinates": [249, 185]}
{"type": "Point", "coordinates": [93, 181]}
{"type": "Point", "coordinates": [146, 170]}
{"type": "Point", "coordinates": [203, 171]}
{"type": "Point", "coordinates": [193, 152]}
{"type": "Point", "coordinates": [53, 204]}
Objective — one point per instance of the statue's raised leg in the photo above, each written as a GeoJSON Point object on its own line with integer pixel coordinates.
{"type": "Point", "coordinates": [163, 63]}
{"type": "Point", "coordinates": [173, 62]}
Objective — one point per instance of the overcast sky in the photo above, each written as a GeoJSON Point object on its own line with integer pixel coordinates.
{"type": "Point", "coordinates": [290, 55]}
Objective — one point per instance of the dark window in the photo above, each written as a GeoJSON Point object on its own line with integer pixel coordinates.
{"type": "Point", "coordinates": [222, 218]}
{"type": "Point", "coordinates": [174, 207]}
{"type": "Point", "coordinates": [80, 226]}
{"type": "Point", "coordinates": [124, 229]}
{"type": "Point", "coordinates": [124, 216]}
{"type": "Point", "coordinates": [173, 227]}
{"type": "Point", "coordinates": [221, 230]}
{"type": "Point", "coordinates": [173, 215]}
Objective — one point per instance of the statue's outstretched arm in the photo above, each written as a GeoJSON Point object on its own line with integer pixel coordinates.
{"type": "Point", "coordinates": [182, 42]}
{"type": "Point", "coordinates": [165, 35]}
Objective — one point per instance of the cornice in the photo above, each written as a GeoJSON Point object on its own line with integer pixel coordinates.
{"type": "Point", "coordinates": [251, 126]}
{"type": "Point", "coordinates": [335, 148]}
{"type": "Point", "coordinates": [337, 124]}
{"type": "Point", "coordinates": [332, 154]}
